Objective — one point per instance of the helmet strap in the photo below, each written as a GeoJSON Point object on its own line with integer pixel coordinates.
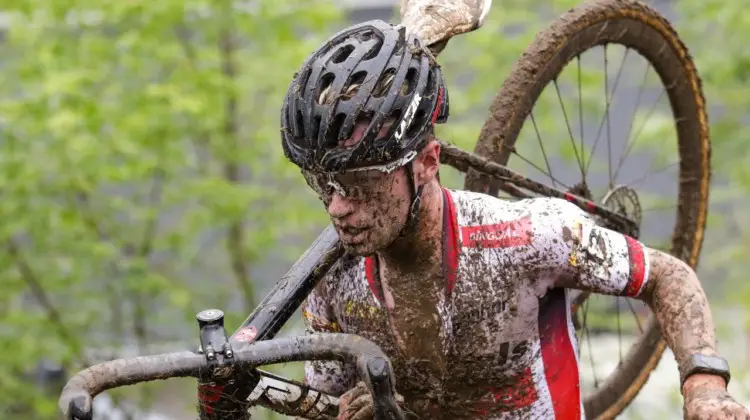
{"type": "Point", "coordinates": [412, 218]}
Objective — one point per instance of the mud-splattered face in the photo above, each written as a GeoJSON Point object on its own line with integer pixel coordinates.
{"type": "Point", "coordinates": [371, 222]}
{"type": "Point", "coordinates": [368, 208]}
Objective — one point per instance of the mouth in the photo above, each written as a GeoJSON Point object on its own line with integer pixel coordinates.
{"type": "Point", "coordinates": [351, 234]}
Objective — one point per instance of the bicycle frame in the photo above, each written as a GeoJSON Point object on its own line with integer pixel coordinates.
{"type": "Point", "coordinates": [292, 289]}
{"type": "Point", "coordinates": [272, 313]}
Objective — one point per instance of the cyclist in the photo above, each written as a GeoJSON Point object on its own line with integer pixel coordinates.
{"type": "Point", "coordinates": [467, 293]}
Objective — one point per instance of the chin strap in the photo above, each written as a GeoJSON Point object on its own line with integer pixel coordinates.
{"type": "Point", "coordinates": [412, 218]}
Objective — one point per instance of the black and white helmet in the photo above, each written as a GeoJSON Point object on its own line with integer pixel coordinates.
{"type": "Point", "coordinates": [370, 71]}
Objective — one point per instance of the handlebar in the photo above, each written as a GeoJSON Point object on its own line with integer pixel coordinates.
{"type": "Point", "coordinates": [373, 366]}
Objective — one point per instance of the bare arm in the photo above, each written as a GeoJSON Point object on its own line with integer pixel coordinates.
{"type": "Point", "coordinates": [675, 295]}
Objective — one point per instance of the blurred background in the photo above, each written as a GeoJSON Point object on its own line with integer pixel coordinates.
{"type": "Point", "coordinates": [142, 176]}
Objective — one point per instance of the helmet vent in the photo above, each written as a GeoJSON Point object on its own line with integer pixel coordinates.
{"type": "Point", "coordinates": [415, 126]}
{"type": "Point", "coordinates": [354, 83]}
{"type": "Point", "coordinates": [324, 96]}
{"type": "Point", "coordinates": [343, 53]}
{"type": "Point", "coordinates": [384, 83]}
{"type": "Point", "coordinates": [410, 83]}
{"type": "Point", "coordinates": [374, 51]}
{"type": "Point", "coordinates": [334, 128]}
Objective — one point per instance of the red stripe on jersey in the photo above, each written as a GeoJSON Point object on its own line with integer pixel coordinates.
{"type": "Point", "coordinates": [450, 251]}
{"type": "Point", "coordinates": [500, 235]}
{"type": "Point", "coordinates": [519, 392]}
{"type": "Point", "coordinates": [450, 242]}
{"type": "Point", "coordinates": [637, 267]}
{"type": "Point", "coordinates": [370, 268]}
{"type": "Point", "coordinates": [558, 356]}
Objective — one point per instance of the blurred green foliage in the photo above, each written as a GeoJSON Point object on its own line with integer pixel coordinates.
{"type": "Point", "coordinates": [141, 171]}
{"type": "Point", "coordinates": [142, 176]}
{"type": "Point", "coordinates": [710, 28]}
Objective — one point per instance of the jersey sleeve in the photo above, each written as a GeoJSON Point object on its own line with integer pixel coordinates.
{"type": "Point", "coordinates": [587, 256]}
{"type": "Point", "coordinates": [329, 376]}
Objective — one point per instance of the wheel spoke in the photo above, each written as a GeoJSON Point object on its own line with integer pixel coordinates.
{"type": "Point", "coordinates": [535, 166]}
{"type": "Point", "coordinates": [570, 130]}
{"type": "Point", "coordinates": [588, 341]}
{"type": "Point", "coordinates": [609, 102]}
{"type": "Point", "coordinates": [628, 146]}
{"type": "Point", "coordinates": [637, 320]}
{"type": "Point", "coordinates": [541, 146]}
{"type": "Point", "coordinates": [638, 133]}
{"type": "Point", "coordinates": [580, 110]}
{"type": "Point", "coordinates": [650, 173]}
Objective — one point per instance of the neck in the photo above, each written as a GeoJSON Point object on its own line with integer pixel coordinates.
{"type": "Point", "coordinates": [419, 251]}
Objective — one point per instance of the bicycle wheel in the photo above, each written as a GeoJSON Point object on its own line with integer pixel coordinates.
{"type": "Point", "coordinates": [629, 26]}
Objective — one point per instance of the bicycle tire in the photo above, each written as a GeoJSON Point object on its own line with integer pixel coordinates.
{"type": "Point", "coordinates": [641, 28]}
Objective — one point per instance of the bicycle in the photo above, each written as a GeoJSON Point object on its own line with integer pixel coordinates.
{"type": "Point", "coordinates": [627, 23]}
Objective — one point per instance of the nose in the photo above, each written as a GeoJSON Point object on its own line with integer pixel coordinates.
{"type": "Point", "coordinates": [340, 206]}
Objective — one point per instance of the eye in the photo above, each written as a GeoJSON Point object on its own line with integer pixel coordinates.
{"type": "Point", "coordinates": [357, 192]}
{"type": "Point", "coordinates": [336, 186]}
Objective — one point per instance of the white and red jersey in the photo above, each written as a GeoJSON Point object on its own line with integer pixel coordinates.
{"type": "Point", "coordinates": [507, 334]}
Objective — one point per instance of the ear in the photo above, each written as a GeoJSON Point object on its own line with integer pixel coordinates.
{"type": "Point", "coordinates": [427, 163]}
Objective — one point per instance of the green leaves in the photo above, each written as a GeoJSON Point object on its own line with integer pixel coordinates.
{"type": "Point", "coordinates": [723, 61]}
{"type": "Point", "coordinates": [135, 136]}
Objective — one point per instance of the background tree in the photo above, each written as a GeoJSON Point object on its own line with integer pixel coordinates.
{"type": "Point", "coordinates": [142, 174]}
{"type": "Point", "coordinates": [723, 60]}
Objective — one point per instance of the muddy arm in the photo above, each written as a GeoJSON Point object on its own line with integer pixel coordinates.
{"type": "Point", "coordinates": [676, 297]}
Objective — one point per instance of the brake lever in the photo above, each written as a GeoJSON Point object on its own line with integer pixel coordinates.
{"type": "Point", "coordinates": [384, 399]}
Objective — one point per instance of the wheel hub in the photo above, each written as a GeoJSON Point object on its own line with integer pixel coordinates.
{"type": "Point", "coordinates": [623, 200]}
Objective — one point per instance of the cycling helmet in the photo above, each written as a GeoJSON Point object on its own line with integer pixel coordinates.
{"type": "Point", "coordinates": [370, 71]}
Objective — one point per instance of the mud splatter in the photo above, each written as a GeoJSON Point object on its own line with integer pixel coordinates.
{"type": "Point", "coordinates": [674, 294]}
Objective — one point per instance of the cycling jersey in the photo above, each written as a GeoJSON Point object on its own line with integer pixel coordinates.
{"type": "Point", "coordinates": [506, 331]}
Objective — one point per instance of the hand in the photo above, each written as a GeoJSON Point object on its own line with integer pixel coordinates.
{"type": "Point", "coordinates": [706, 398]}
{"type": "Point", "coordinates": [356, 403]}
